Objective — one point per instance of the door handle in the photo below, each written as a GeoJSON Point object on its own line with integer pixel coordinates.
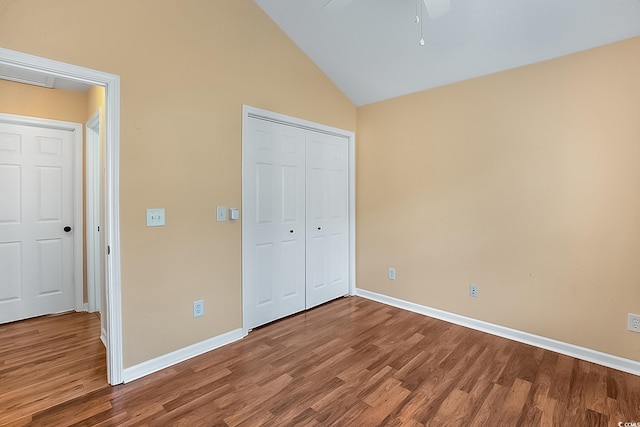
{"type": "Point", "coordinates": [319, 228]}
{"type": "Point", "coordinates": [67, 228]}
{"type": "Point", "coordinates": [291, 231]}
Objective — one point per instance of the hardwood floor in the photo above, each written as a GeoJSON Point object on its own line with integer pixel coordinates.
{"type": "Point", "coordinates": [352, 362]}
{"type": "Point", "coordinates": [48, 361]}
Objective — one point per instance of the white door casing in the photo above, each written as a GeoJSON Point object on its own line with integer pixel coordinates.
{"type": "Point", "coordinates": [111, 83]}
{"type": "Point", "coordinates": [93, 212]}
{"type": "Point", "coordinates": [325, 156]}
{"type": "Point", "coordinates": [41, 262]}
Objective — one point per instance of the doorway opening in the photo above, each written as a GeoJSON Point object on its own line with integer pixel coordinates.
{"type": "Point", "coordinates": [111, 83]}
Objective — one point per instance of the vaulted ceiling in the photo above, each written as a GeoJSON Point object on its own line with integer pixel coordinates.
{"type": "Point", "coordinates": [370, 48]}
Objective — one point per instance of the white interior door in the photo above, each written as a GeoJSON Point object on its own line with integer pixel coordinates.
{"type": "Point", "coordinates": [274, 215]}
{"type": "Point", "coordinates": [36, 194]}
{"type": "Point", "coordinates": [327, 218]}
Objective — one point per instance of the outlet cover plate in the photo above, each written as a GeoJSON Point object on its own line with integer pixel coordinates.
{"type": "Point", "coordinates": [633, 322]}
{"type": "Point", "coordinates": [392, 273]}
{"type": "Point", "coordinates": [198, 308]}
{"type": "Point", "coordinates": [473, 291]}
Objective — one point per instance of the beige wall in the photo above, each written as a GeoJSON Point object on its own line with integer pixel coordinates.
{"type": "Point", "coordinates": [35, 101]}
{"type": "Point", "coordinates": [186, 68]}
{"type": "Point", "coordinates": [525, 182]}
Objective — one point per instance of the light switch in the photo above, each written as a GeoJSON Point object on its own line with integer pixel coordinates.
{"type": "Point", "coordinates": [221, 214]}
{"type": "Point", "coordinates": [155, 217]}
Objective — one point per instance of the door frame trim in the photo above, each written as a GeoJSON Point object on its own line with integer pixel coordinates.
{"type": "Point", "coordinates": [258, 113]}
{"type": "Point", "coordinates": [76, 130]}
{"type": "Point", "coordinates": [111, 83]}
{"type": "Point", "coordinates": [92, 208]}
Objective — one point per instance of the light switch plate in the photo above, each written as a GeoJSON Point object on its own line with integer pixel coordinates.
{"type": "Point", "coordinates": [221, 214]}
{"type": "Point", "coordinates": [155, 217]}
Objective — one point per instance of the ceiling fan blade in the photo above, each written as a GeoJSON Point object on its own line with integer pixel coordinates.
{"type": "Point", "coordinates": [336, 4]}
{"type": "Point", "coordinates": [437, 8]}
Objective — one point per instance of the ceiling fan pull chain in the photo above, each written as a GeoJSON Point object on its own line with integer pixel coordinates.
{"type": "Point", "coordinates": [421, 19]}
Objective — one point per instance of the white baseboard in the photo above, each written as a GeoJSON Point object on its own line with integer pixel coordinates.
{"type": "Point", "coordinates": [169, 359]}
{"type": "Point", "coordinates": [583, 353]}
{"type": "Point", "coordinates": [103, 337]}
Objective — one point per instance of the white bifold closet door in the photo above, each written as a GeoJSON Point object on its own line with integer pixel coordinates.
{"type": "Point", "coordinates": [327, 218]}
{"type": "Point", "coordinates": [296, 220]}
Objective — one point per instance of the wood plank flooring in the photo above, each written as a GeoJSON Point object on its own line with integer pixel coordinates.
{"type": "Point", "coordinates": [352, 362]}
{"type": "Point", "coordinates": [47, 361]}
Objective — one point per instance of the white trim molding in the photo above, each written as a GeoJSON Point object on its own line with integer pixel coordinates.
{"type": "Point", "coordinates": [583, 353]}
{"type": "Point", "coordinates": [111, 83]}
{"type": "Point", "coordinates": [170, 359]}
{"type": "Point", "coordinates": [103, 337]}
{"type": "Point", "coordinates": [92, 211]}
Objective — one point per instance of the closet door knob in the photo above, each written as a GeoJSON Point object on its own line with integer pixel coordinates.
{"type": "Point", "coordinates": [319, 228]}
{"type": "Point", "coordinates": [291, 231]}
{"type": "Point", "coordinates": [67, 228]}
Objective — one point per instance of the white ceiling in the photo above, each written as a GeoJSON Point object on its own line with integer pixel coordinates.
{"type": "Point", "coordinates": [370, 49]}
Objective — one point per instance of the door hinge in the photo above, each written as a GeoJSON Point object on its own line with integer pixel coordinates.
{"type": "Point", "coordinates": [98, 228]}
{"type": "Point", "coordinates": [108, 250]}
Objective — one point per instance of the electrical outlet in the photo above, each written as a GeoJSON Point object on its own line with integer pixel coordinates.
{"type": "Point", "coordinates": [198, 308]}
{"type": "Point", "coordinates": [473, 291]}
{"type": "Point", "coordinates": [392, 273]}
{"type": "Point", "coordinates": [633, 322]}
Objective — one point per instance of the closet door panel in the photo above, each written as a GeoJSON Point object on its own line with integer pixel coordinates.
{"type": "Point", "coordinates": [327, 218]}
{"type": "Point", "coordinates": [274, 163]}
